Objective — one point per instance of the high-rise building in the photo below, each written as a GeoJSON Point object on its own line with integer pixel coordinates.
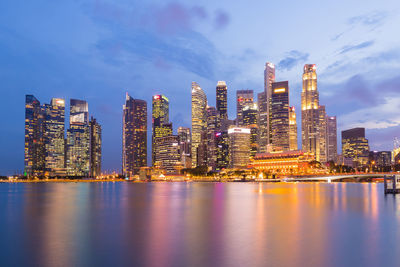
{"type": "Point", "coordinates": [134, 136]}
{"type": "Point", "coordinates": [250, 120]}
{"type": "Point", "coordinates": [223, 144]}
{"type": "Point", "coordinates": [239, 147]}
{"type": "Point", "coordinates": [243, 98]}
{"type": "Point", "coordinates": [222, 100]}
{"type": "Point", "coordinates": [279, 116]}
{"type": "Point", "coordinates": [355, 146]}
{"type": "Point", "coordinates": [292, 129]}
{"type": "Point", "coordinates": [322, 138]}
{"type": "Point", "coordinates": [185, 146]}
{"type": "Point", "coordinates": [213, 126]}
{"type": "Point", "coordinates": [263, 132]}
{"type": "Point", "coordinates": [34, 142]}
{"type": "Point", "coordinates": [331, 138]}
{"type": "Point", "coordinates": [95, 147]}
{"type": "Point", "coordinates": [160, 120]}
{"type": "Point", "coordinates": [54, 138]}
{"type": "Point", "coordinates": [309, 110]}
{"type": "Point", "coordinates": [78, 139]}
{"type": "Point", "coordinates": [199, 122]}
{"type": "Point", "coordinates": [269, 78]}
{"type": "Point", "coordinates": [167, 154]}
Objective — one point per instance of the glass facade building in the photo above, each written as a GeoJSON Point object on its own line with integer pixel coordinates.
{"type": "Point", "coordinates": [250, 120]}
{"type": "Point", "coordinates": [243, 98]}
{"type": "Point", "coordinates": [355, 146]}
{"type": "Point", "coordinates": [199, 123]}
{"type": "Point", "coordinates": [279, 116]}
{"type": "Point", "coordinates": [222, 100]}
{"type": "Point", "coordinates": [160, 120]}
{"type": "Point", "coordinates": [95, 147]}
{"type": "Point", "coordinates": [292, 129]}
{"type": "Point", "coordinates": [239, 147]}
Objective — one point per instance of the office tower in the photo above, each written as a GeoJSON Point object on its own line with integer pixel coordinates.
{"type": "Point", "coordinates": [279, 116]}
{"type": "Point", "coordinates": [54, 140]}
{"type": "Point", "coordinates": [167, 154]}
{"type": "Point", "coordinates": [322, 132]}
{"type": "Point", "coordinates": [185, 146]}
{"type": "Point", "coordinates": [34, 148]}
{"type": "Point", "coordinates": [95, 147]}
{"type": "Point", "coordinates": [78, 139]}
{"type": "Point", "coordinates": [239, 147]}
{"type": "Point", "coordinates": [222, 100]}
{"type": "Point", "coordinates": [134, 136]}
{"type": "Point", "coordinates": [331, 138]}
{"type": "Point", "coordinates": [263, 133]}
{"type": "Point", "coordinates": [243, 98]}
{"type": "Point", "coordinates": [269, 78]}
{"type": "Point", "coordinates": [213, 126]}
{"type": "Point", "coordinates": [355, 146]}
{"type": "Point", "coordinates": [292, 129]}
{"type": "Point", "coordinates": [309, 110]}
{"type": "Point", "coordinates": [199, 122]}
{"type": "Point", "coordinates": [223, 144]}
{"type": "Point", "coordinates": [250, 120]}
{"type": "Point", "coordinates": [160, 120]}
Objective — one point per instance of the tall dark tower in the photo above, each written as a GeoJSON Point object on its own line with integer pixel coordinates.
{"type": "Point", "coordinates": [134, 136]}
{"type": "Point", "coordinates": [160, 118]}
{"type": "Point", "coordinates": [279, 116]}
{"type": "Point", "coordinates": [222, 100]}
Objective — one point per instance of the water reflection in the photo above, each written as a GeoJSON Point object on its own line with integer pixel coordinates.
{"type": "Point", "coordinates": [199, 224]}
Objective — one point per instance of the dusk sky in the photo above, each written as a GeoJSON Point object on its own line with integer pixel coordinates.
{"type": "Point", "coordinates": [99, 50]}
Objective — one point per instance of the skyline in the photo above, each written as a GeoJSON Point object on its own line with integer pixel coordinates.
{"type": "Point", "coordinates": [34, 64]}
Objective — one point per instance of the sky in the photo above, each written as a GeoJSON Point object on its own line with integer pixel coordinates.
{"type": "Point", "coordinates": [99, 50]}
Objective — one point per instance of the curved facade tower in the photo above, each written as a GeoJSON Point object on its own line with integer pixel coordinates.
{"type": "Point", "coordinates": [199, 121]}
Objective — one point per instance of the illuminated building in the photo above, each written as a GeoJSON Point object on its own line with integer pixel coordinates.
{"type": "Point", "coordinates": [322, 138]}
{"type": "Point", "coordinates": [269, 78]}
{"type": "Point", "coordinates": [213, 126]}
{"type": "Point", "coordinates": [185, 146]}
{"type": "Point", "coordinates": [54, 139]}
{"type": "Point", "coordinates": [263, 132]}
{"type": "Point", "coordinates": [309, 110]}
{"type": "Point", "coordinates": [380, 160]}
{"type": "Point", "coordinates": [292, 129]}
{"type": "Point", "coordinates": [289, 162]}
{"type": "Point", "coordinates": [331, 138]}
{"type": "Point", "coordinates": [239, 147]}
{"type": "Point", "coordinates": [250, 112]}
{"type": "Point", "coordinates": [199, 121]}
{"type": "Point", "coordinates": [95, 147]}
{"type": "Point", "coordinates": [78, 139]}
{"type": "Point", "coordinates": [279, 116]}
{"type": "Point", "coordinates": [160, 121]}
{"type": "Point", "coordinates": [222, 141]}
{"type": "Point", "coordinates": [34, 143]}
{"type": "Point", "coordinates": [134, 136]}
{"type": "Point", "coordinates": [355, 146]}
{"type": "Point", "coordinates": [167, 154]}
{"type": "Point", "coordinates": [396, 151]}
{"type": "Point", "coordinates": [222, 100]}
{"type": "Point", "coordinates": [243, 98]}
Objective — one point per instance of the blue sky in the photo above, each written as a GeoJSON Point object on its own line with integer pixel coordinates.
{"type": "Point", "coordinates": [98, 50]}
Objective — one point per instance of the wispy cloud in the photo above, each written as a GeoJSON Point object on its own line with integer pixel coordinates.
{"type": "Point", "coordinates": [292, 58]}
{"type": "Point", "coordinates": [370, 19]}
{"type": "Point", "coordinates": [348, 48]}
{"type": "Point", "coordinates": [221, 20]}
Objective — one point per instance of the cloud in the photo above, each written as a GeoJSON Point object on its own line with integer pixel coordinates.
{"type": "Point", "coordinates": [221, 19]}
{"type": "Point", "coordinates": [370, 19]}
{"type": "Point", "coordinates": [292, 58]}
{"type": "Point", "coordinates": [348, 48]}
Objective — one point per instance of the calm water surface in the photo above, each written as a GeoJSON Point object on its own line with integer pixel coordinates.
{"type": "Point", "coordinates": [198, 224]}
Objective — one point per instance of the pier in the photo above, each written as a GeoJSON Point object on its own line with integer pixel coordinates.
{"type": "Point", "coordinates": [392, 184]}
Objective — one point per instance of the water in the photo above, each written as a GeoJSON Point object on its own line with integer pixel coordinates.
{"type": "Point", "coordinates": [198, 224]}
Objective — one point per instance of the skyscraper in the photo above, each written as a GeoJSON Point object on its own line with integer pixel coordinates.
{"type": "Point", "coordinates": [269, 78]}
{"type": "Point", "coordinates": [250, 120]}
{"type": "Point", "coordinates": [263, 132]}
{"type": "Point", "coordinates": [331, 132]}
{"type": "Point", "coordinates": [213, 126]}
{"type": "Point", "coordinates": [322, 132]}
{"type": "Point", "coordinates": [355, 146]}
{"type": "Point", "coordinates": [243, 98]}
{"type": "Point", "coordinates": [34, 143]}
{"type": "Point", "coordinates": [222, 100]}
{"type": "Point", "coordinates": [292, 129]}
{"type": "Point", "coordinates": [279, 116]}
{"type": "Point", "coordinates": [160, 118]}
{"type": "Point", "coordinates": [185, 146]}
{"type": "Point", "coordinates": [167, 154]}
{"type": "Point", "coordinates": [134, 136]}
{"type": "Point", "coordinates": [310, 119]}
{"type": "Point", "coordinates": [199, 121]}
{"type": "Point", "coordinates": [239, 147]}
{"type": "Point", "coordinates": [54, 139]}
{"type": "Point", "coordinates": [95, 147]}
{"type": "Point", "coordinates": [78, 139]}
